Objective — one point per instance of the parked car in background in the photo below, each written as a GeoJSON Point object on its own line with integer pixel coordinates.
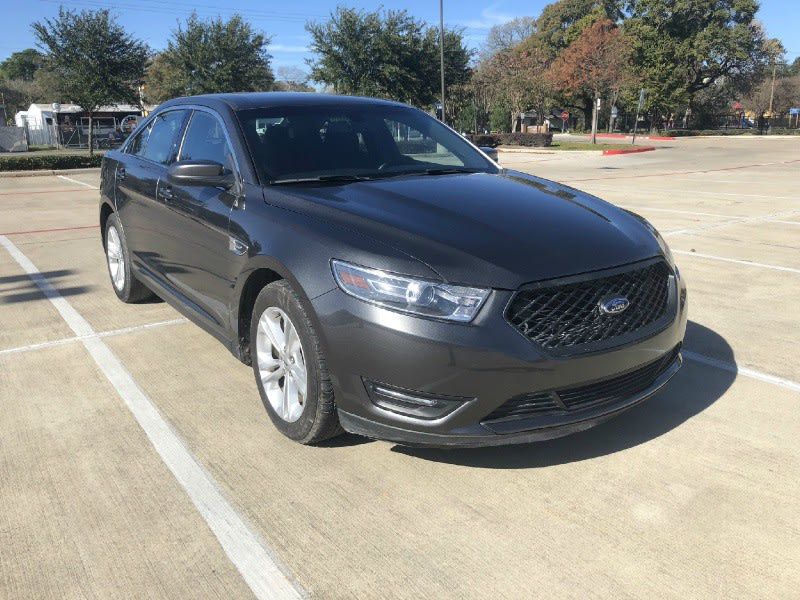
{"type": "Point", "coordinates": [383, 277]}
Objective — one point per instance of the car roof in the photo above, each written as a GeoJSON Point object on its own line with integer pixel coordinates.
{"type": "Point", "coordinates": [248, 100]}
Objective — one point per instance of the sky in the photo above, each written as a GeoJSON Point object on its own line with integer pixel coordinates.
{"type": "Point", "coordinates": [153, 20]}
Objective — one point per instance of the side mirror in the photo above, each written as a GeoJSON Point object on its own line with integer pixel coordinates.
{"type": "Point", "coordinates": [490, 152]}
{"type": "Point", "coordinates": [200, 172]}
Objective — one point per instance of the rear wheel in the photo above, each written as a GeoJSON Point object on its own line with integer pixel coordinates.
{"type": "Point", "coordinates": [290, 368]}
{"type": "Point", "coordinates": [125, 285]}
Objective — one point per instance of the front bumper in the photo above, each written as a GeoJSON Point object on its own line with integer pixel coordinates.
{"type": "Point", "coordinates": [485, 364]}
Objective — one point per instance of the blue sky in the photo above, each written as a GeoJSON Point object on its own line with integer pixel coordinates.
{"type": "Point", "coordinates": [153, 20]}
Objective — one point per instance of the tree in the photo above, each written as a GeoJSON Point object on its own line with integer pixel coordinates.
{"type": "Point", "coordinates": [594, 64]}
{"type": "Point", "coordinates": [21, 66]}
{"type": "Point", "coordinates": [781, 97]}
{"type": "Point", "coordinates": [207, 57]}
{"type": "Point", "coordinates": [680, 48]}
{"type": "Point", "coordinates": [507, 35]}
{"type": "Point", "coordinates": [516, 79]}
{"type": "Point", "coordinates": [94, 60]}
{"type": "Point", "coordinates": [292, 79]}
{"type": "Point", "coordinates": [563, 21]}
{"type": "Point", "coordinates": [385, 54]}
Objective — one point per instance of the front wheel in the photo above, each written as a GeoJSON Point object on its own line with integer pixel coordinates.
{"type": "Point", "coordinates": [290, 368]}
{"type": "Point", "coordinates": [125, 285]}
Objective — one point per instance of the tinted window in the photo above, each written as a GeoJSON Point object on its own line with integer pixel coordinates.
{"type": "Point", "coordinates": [137, 143]}
{"type": "Point", "coordinates": [418, 146]}
{"type": "Point", "coordinates": [299, 142]}
{"type": "Point", "coordinates": [205, 140]}
{"type": "Point", "coordinates": [160, 145]}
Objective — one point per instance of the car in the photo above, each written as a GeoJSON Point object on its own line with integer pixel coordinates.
{"type": "Point", "coordinates": [400, 287]}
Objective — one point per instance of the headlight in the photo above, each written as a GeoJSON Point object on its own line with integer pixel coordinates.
{"type": "Point", "coordinates": [414, 296]}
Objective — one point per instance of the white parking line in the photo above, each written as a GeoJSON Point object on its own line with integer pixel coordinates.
{"type": "Point", "coordinates": [734, 368]}
{"type": "Point", "coordinates": [102, 334]}
{"type": "Point", "coordinates": [672, 192]}
{"type": "Point", "coordinates": [65, 178]}
{"type": "Point", "coordinates": [737, 221]}
{"type": "Point", "coordinates": [249, 554]}
{"type": "Point", "coordinates": [672, 210]}
{"type": "Point", "coordinates": [748, 263]}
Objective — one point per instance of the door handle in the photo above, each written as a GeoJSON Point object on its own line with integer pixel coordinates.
{"type": "Point", "coordinates": [165, 192]}
{"type": "Point", "coordinates": [121, 172]}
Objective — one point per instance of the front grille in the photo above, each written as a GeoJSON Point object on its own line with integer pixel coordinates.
{"type": "Point", "coordinates": [526, 405]}
{"type": "Point", "coordinates": [563, 317]}
{"type": "Point", "coordinates": [608, 391]}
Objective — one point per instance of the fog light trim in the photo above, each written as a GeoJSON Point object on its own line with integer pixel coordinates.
{"type": "Point", "coordinates": [410, 403]}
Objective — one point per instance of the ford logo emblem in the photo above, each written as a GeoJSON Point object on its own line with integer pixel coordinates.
{"type": "Point", "coordinates": [614, 306]}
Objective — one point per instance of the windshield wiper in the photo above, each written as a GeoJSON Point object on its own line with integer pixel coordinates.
{"type": "Point", "coordinates": [449, 171]}
{"type": "Point", "coordinates": [323, 179]}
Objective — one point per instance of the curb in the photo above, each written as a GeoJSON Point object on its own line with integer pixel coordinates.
{"type": "Point", "coordinates": [661, 138]}
{"type": "Point", "coordinates": [531, 150]}
{"type": "Point", "coordinates": [48, 172]}
{"type": "Point", "coordinates": [614, 136]}
{"type": "Point", "coordinates": [628, 151]}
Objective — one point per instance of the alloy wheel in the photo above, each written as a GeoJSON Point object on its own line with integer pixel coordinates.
{"type": "Point", "coordinates": [116, 261]}
{"type": "Point", "coordinates": [281, 364]}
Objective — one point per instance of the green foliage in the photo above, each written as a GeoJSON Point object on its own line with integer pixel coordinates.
{"type": "Point", "coordinates": [92, 59]}
{"type": "Point", "coordinates": [21, 66]}
{"type": "Point", "coordinates": [563, 21]}
{"type": "Point", "coordinates": [96, 62]}
{"type": "Point", "coordinates": [683, 46]}
{"type": "Point", "coordinates": [207, 57]}
{"type": "Point", "coordinates": [27, 162]}
{"type": "Point", "coordinates": [538, 140]}
{"type": "Point", "coordinates": [499, 117]}
{"type": "Point", "coordinates": [386, 55]}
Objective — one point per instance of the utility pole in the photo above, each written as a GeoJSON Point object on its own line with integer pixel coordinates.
{"type": "Point", "coordinates": [441, 51]}
{"type": "Point", "coordinates": [772, 89]}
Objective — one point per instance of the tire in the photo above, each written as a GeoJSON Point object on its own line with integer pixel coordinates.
{"type": "Point", "coordinates": [308, 417]}
{"type": "Point", "coordinates": [125, 285]}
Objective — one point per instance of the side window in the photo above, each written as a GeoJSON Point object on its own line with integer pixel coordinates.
{"type": "Point", "coordinates": [205, 140]}
{"type": "Point", "coordinates": [163, 140]}
{"type": "Point", "coordinates": [418, 146]}
{"type": "Point", "coordinates": [138, 142]}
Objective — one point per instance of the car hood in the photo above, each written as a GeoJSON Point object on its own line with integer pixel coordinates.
{"type": "Point", "coordinates": [493, 230]}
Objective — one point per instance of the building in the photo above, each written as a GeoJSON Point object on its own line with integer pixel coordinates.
{"type": "Point", "coordinates": [68, 124]}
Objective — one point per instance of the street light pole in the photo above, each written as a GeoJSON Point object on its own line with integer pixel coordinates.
{"type": "Point", "coordinates": [441, 50]}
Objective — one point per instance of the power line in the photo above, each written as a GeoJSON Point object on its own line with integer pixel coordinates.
{"type": "Point", "coordinates": [166, 10]}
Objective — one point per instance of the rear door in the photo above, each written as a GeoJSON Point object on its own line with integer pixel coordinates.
{"type": "Point", "coordinates": [139, 200]}
{"type": "Point", "coordinates": [198, 218]}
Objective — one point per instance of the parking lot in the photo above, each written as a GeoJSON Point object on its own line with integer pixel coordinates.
{"type": "Point", "coordinates": [136, 458]}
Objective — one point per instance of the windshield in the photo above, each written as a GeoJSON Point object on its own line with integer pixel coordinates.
{"type": "Point", "coordinates": [337, 143]}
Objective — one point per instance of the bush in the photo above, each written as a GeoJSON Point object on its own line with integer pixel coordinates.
{"type": "Point", "coordinates": [49, 162]}
{"type": "Point", "coordinates": [491, 140]}
{"type": "Point", "coordinates": [539, 140]}
{"type": "Point", "coordinates": [423, 146]}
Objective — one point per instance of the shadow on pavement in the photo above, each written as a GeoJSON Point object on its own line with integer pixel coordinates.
{"type": "Point", "coordinates": [21, 288]}
{"type": "Point", "coordinates": [691, 391]}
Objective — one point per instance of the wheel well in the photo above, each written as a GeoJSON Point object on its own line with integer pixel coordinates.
{"type": "Point", "coordinates": [256, 281]}
{"type": "Point", "coordinates": [105, 212]}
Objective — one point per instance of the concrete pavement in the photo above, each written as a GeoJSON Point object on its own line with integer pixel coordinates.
{"type": "Point", "coordinates": [692, 494]}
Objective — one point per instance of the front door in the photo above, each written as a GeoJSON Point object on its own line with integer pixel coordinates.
{"type": "Point", "coordinates": [139, 199]}
{"type": "Point", "coordinates": [199, 217]}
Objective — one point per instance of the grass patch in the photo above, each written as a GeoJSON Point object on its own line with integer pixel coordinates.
{"type": "Point", "coordinates": [559, 145]}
